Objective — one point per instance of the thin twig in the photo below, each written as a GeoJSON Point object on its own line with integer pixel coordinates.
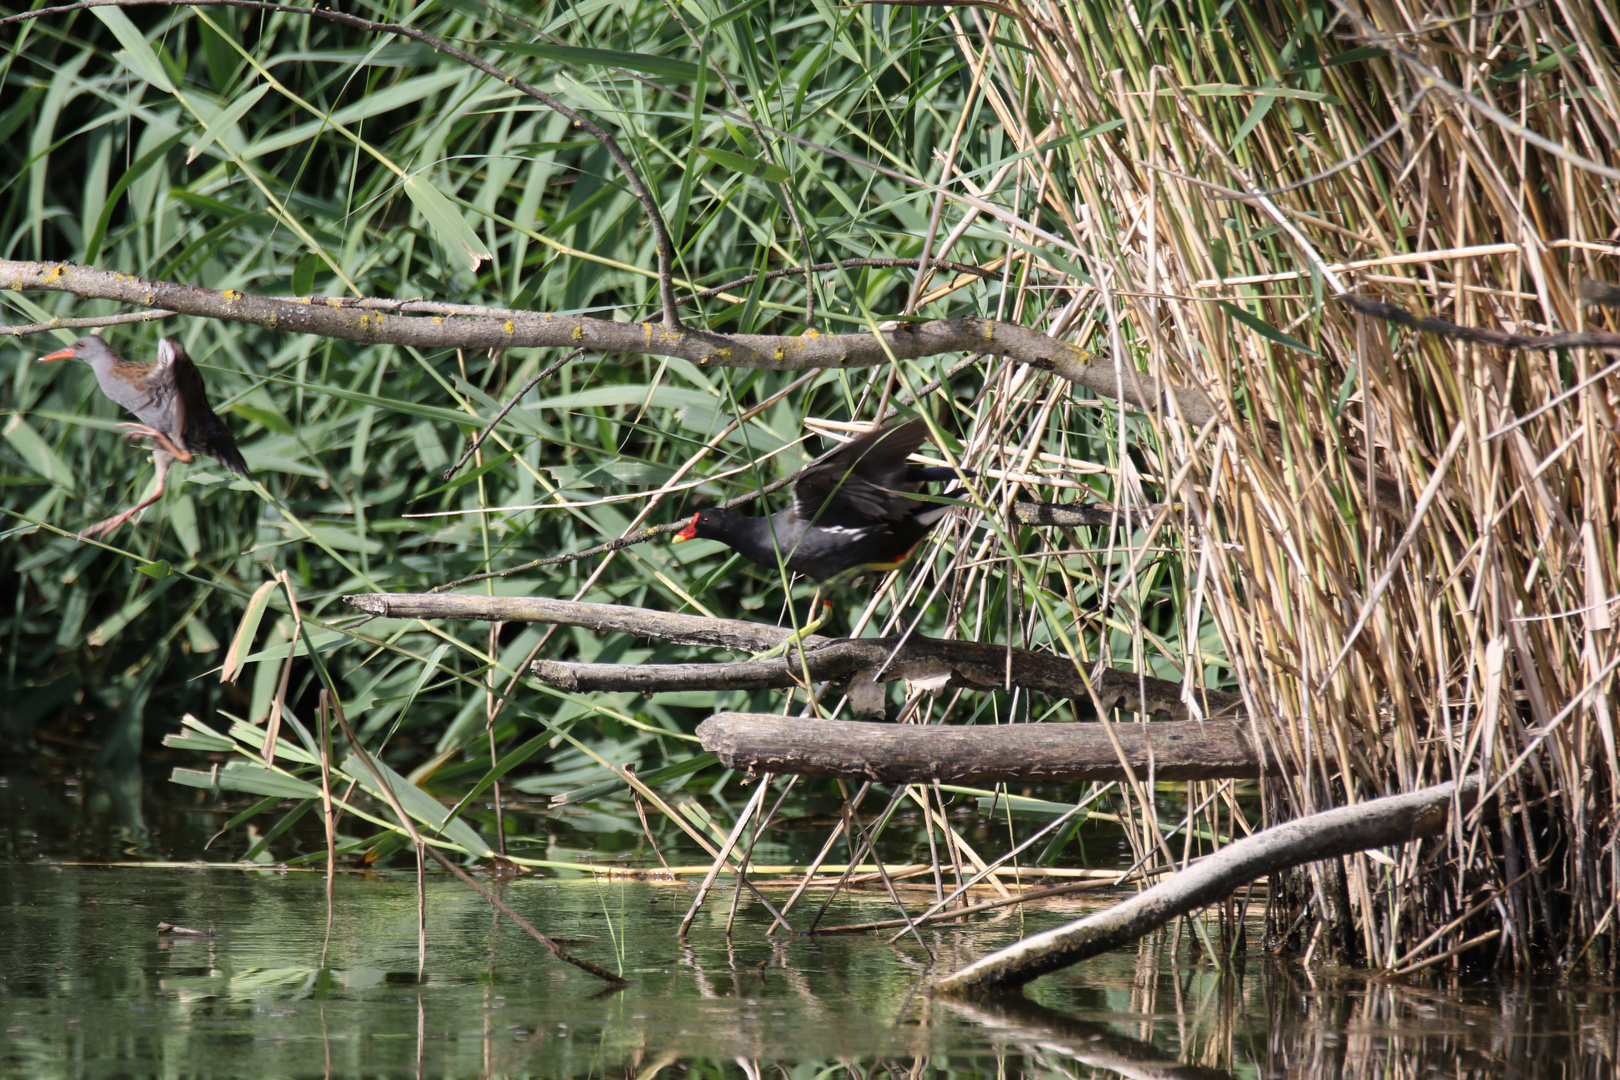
{"type": "Point", "coordinates": [1574, 339]}
{"type": "Point", "coordinates": [517, 397]}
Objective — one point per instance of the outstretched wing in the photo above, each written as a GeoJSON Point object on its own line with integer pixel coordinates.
{"type": "Point", "coordinates": [195, 422]}
{"type": "Point", "coordinates": [863, 480]}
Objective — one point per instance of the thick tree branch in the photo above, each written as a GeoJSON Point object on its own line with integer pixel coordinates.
{"type": "Point", "coordinates": [974, 754]}
{"type": "Point", "coordinates": [602, 618]}
{"type": "Point", "coordinates": [649, 205]}
{"type": "Point", "coordinates": [969, 665]}
{"type": "Point", "coordinates": [811, 351]}
{"type": "Point", "coordinates": [1396, 819]}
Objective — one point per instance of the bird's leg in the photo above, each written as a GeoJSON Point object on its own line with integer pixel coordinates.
{"type": "Point", "coordinates": [160, 458]}
{"type": "Point", "coordinates": [160, 440]}
{"type": "Point", "coordinates": [816, 622]}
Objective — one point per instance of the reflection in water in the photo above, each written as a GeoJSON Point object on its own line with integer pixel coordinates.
{"type": "Point", "coordinates": [88, 988]}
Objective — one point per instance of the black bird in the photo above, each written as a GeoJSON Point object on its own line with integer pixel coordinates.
{"type": "Point", "coordinates": [854, 509]}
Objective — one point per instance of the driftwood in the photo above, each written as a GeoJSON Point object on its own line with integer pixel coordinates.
{"type": "Point", "coordinates": [1396, 819]}
{"type": "Point", "coordinates": [961, 754]}
{"type": "Point", "coordinates": [605, 618]}
{"type": "Point", "coordinates": [966, 664]}
{"type": "Point", "coordinates": [963, 663]}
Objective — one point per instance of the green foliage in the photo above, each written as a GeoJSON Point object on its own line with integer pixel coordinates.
{"type": "Point", "coordinates": [275, 154]}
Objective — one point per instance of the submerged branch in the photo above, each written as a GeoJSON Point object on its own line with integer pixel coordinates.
{"type": "Point", "coordinates": [1384, 822]}
{"type": "Point", "coordinates": [999, 753]}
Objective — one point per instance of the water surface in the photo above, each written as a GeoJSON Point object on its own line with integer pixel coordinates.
{"type": "Point", "coordinates": [88, 987]}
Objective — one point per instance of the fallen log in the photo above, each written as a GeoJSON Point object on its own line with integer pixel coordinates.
{"type": "Point", "coordinates": [1013, 753]}
{"type": "Point", "coordinates": [1376, 823]}
{"type": "Point", "coordinates": [967, 664]}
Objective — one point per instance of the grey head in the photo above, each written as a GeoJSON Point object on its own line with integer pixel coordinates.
{"type": "Point", "coordinates": [122, 381]}
{"type": "Point", "coordinates": [99, 355]}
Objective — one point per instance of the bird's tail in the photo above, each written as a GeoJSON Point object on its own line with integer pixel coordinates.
{"type": "Point", "coordinates": [230, 457]}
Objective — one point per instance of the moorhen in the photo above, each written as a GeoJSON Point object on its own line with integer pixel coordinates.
{"type": "Point", "coordinates": [167, 395]}
{"type": "Point", "coordinates": [853, 510]}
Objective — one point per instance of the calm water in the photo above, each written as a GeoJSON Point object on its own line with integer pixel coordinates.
{"type": "Point", "coordinates": [89, 989]}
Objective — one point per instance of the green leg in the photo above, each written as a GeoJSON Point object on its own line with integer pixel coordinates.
{"type": "Point", "coordinates": [816, 623]}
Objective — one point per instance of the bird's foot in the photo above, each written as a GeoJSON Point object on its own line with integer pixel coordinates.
{"type": "Point", "coordinates": [158, 439]}
{"type": "Point", "coordinates": [107, 526]}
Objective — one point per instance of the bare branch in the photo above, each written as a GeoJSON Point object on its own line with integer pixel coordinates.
{"type": "Point", "coordinates": [302, 315]}
{"type": "Point", "coordinates": [969, 665]}
{"type": "Point", "coordinates": [1593, 339]}
{"type": "Point", "coordinates": [602, 618]}
{"type": "Point", "coordinates": [983, 754]}
{"type": "Point", "coordinates": [1377, 823]}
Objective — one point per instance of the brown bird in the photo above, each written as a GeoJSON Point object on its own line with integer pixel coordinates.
{"type": "Point", "coordinates": [168, 397]}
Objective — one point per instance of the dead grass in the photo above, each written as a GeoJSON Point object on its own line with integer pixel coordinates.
{"type": "Point", "coordinates": [1456, 617]}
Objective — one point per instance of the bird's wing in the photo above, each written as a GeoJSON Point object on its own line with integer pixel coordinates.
{"type": "Point", "coordinates": [194, 417]}
{"type": "Point", "coordinates": [174, 368]}
{"type": "Point", "coordinates": [863, 480]}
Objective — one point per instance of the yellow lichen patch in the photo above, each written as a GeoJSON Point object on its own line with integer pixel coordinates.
{"type": "Point", "coordinates": [509, 327]}
{"type": "Point", "coordinates": [438, 319]}
{"type": "Point", "coordinates": [147, 299]}
{"type": "Point", "coordinates": [781, 354]}
{"type": "Point", "coordinates": [579, 333]}
{"type": "Point", "coordinates": [271, 320]}
{"type": "Point", "coordinates": [231, 296]}
{"type": "Point", "coordinates": [811, 333]}
{"type": "Point", "coordinates": [333, 301]}
{"type": "Point", "coordinates": [53, 274]}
